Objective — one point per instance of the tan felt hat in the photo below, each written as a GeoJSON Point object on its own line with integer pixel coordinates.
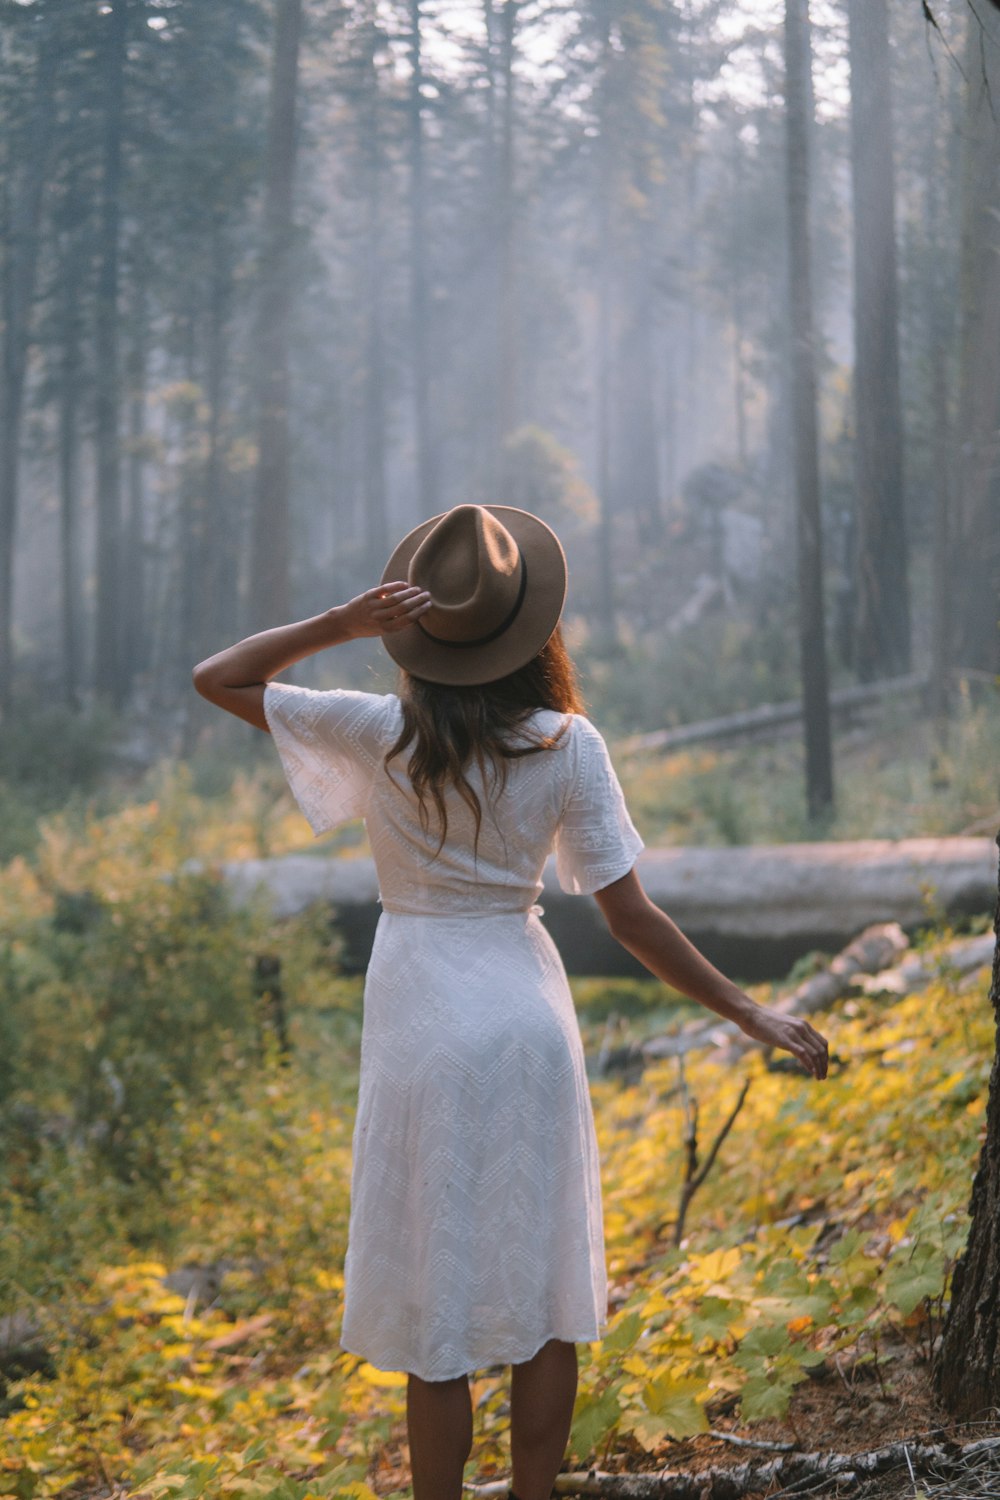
{"type": "Point", "coordinates": [497, 580]}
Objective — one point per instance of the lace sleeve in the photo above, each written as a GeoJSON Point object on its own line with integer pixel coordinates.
{"type": "Point", "coordinates": [596, 841]}
{"type": "Point", "coordinates": [331, 746]}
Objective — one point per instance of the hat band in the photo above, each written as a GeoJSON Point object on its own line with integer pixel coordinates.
{"type": "Point", "coordinates": [505, 624]}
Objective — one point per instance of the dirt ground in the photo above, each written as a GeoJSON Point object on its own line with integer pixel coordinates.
{"type": "Point", "coordinates": [849, 1412]}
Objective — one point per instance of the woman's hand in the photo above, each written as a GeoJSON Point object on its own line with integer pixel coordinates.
{"type": "Point", "coordinates": [790, 1033]}
{"type": "Point", "coordinates": [649, 934]}
{"type": "Point", "coordinates": [384, 609]}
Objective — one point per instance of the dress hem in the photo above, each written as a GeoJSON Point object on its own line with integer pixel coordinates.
{"type": "Point", "coordinates": [506, 1359]}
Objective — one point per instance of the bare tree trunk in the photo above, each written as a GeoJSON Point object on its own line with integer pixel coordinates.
{"type": "Point", "coordinates": [134, 550]}
{"type": "Point", "coordinates": [967, 1366]}
{"type": "Point", "coordinates": [812, 636]}
{"type": "Point", "coordinates": [507, 377]}
{"type": "Point", "coordinates": [426, 485]}
{"type": "Point", "coordinates": [940, 333]}
{"type": "Point", "coordinates": [269, 602]}
{"type": "Point", "coordinates": [607, 629]}
{"type": "Point", "coordinates": [376, 521]}
{"type": "Point", "coordinates": [22, 217]}
{"type": "Point", "coordinates": [976, 581]}
{"type": "Point", "coordinates": [71, 592]}
{"type": "Point", "coordinates": [108, 674]}
{"type": "Point", "coordinates": [639, 476]}
{"type": "Point", "coordinates": [221, 607]}
{"type": "Point", "coordinates": [883, 621]}
{"type": "Point", "coordinates": [192, 513]}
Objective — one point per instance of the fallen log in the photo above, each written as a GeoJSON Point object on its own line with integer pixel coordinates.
{"type": "Point", "coordinates": [785, 1474]}
{"type": "Point", "coordinates": [752, 909]}
{"type": "Point", "coordinates": [849, 972]}
{"type": "Point", "coordinates": [771, 720]}
{"type": "Point", "coordinates": [957, 960]}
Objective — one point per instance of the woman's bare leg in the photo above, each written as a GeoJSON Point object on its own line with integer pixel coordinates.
{"type": "Point", "coordinates": [439, 1426]}
{"type": "Point", "coordinates": [542, 1393]}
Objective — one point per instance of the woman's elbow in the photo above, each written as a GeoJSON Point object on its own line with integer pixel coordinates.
{"type": "Point", "coordinates": [627, 920]}
{"type": "Point", "coordinates": [204, 679]}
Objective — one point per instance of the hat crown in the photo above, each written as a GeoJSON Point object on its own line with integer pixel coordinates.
{"type": "Point", "coordinates": [472, 567]}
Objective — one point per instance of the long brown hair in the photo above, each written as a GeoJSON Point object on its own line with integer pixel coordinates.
{"type": "Point", "coordinates": [453, 727]}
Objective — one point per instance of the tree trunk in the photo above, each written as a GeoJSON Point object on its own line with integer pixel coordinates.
{"type": "Point", "coordinates": [71, 592]}
{"type": "Point", "coordinates": [940, 332]}
{"type": "Point", "coordinates": [507, 314]}
{"type": "Point", "coordinates": [109, 643]}
{"type": "Point", "coordinates": [134, 549]}
{"type": "Point", "coordinates": [426, 485]}
{"type": "Point", "coordinates": [269, 602]}
{"type": "Point", "coordinates": [376, 521]}
{"type": "Point", "coordinates": [812, 638]}
{"type": "Point", "coordinates": [219, 619]}
{"type": "Point", "coordinates": [22, 217]}
{"type": "Point", "coordinates": [883, 622]}
{"type": "Point", "coordinates": [606, 627]}
{"type": "Point", "coordinates": [976, 580]}
{"type": "Point", "coordinates": [967, 1366]}
{"type": "Point", "coordinates": [638, 468]}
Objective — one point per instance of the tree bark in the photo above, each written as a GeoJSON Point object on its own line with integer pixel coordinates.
{"type": "Point", "coordinates": [426, 483]}
{"type": "Point", "coordinates": [883, 622]}
{"type": "Point", "coordinates": [976, 579]}
{"type": "Point", "coordinates": [71, 592]}
{"type": "Point", "coordinates": [507, 379]}
{"type": "Point", "coordinates": [812, 637]}
{"type": "Point", "coordinates": [21, 231]}
{"type": "Point", "coordinates": [134, 549]}
{"type": "Point", "coordinates": [376, 520]}
{"type": "Point", "coordinates": [109, 643]}
{"type": "Point", "coordinates": [269, 601]}
{"type": "Point", "coordinates": [219, 620]}
{"type": "Point", "coordinates": [606, 626]}
{"type": "Point", "coordinates": [967, 1366]}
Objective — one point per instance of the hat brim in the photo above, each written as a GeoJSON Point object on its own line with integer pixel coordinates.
{"type": "Point", "coordinates": [545, 595]}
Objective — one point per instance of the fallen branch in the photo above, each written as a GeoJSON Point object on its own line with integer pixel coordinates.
{"type": "Point", "coordinates": [742, 1442]}
{"type": "Point", "coordinates": [795, 1473]}
{"type": "Point", "coordinates": [693, 1178]}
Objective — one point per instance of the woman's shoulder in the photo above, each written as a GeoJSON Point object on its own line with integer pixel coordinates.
{"type": "Point", "coordinates": [334, 710]}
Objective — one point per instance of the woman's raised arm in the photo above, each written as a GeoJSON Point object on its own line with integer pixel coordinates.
{"type": "Point", "coordinates": [649, 934]}
{"type": "Point", "coordinates": [235, 679]}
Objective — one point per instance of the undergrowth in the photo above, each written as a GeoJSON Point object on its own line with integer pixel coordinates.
{"type": "Point", "coordinates": [150, 1120]}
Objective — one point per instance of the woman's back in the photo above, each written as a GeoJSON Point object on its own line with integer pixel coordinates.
{"type": "Point", "coordinates": [333, 746]}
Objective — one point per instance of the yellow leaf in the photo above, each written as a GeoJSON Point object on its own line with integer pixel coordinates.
{"type": "Point", "coordinates": [373, 1376]}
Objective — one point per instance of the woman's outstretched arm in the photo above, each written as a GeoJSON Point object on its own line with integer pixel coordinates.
{"type": "Point", "coordinates": [650, 935]}
{"type": "Point", "coordinates": [235, 678]}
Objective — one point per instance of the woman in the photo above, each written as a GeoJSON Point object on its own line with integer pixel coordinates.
{"type": "Point", "coordinates": [475, 1235]}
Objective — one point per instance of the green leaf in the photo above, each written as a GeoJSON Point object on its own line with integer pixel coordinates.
{"type": "Point", "coordinates": [761, 1397]}
{"type": "Point", "coordinates": [648, 1429]}
{"type": "Point", "coordinates": [845, 1247]}
{"type": "Point", "coordinates": [593, 1420]}
{"type": "Point", "coordinates": [761, 1343]}
{"type": "Point", "coordinates": [624, 1334]}
{"type": "Point", "coordinates": [922, 1275]}
{"type": "Point", "coordinates": [711, 1321]}
{"type": "Point", "coordinates": [855, 1303]}
{"type": "Point", "coordinates": [673, 1401]}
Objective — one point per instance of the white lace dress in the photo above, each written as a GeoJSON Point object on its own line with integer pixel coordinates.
{"type": "Point", "coordinates": [475, 1230]}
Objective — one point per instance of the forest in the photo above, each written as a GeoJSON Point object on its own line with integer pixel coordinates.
{"type": "Point", "coordinates": [712, 287]}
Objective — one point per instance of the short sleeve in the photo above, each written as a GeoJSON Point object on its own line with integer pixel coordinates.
{"type": "Point", "coordinates": [596, 841]}
{"type": "Point", "coordinates": [331, 746]}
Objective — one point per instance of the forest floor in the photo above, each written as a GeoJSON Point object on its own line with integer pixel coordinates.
{"type": "Point", "coordinates": [800, 1302]}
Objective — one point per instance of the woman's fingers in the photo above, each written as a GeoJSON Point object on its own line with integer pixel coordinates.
{"type": "Point", "coordinates": [814, 1051]}
{"type": "Point", "coordinates": [397, 605]}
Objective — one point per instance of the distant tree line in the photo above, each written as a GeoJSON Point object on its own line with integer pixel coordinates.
{"type": "Point", "coordinates": [279, 280]}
